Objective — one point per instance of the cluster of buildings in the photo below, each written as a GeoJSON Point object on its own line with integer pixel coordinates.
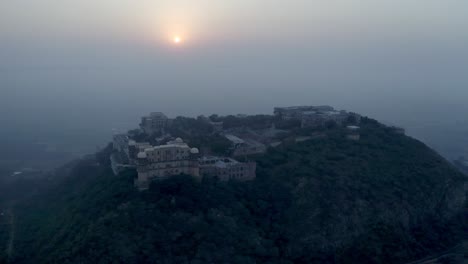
{"type": "Point", "coordinates": [315, 116]}
{"type": "Point", "coordinates": [175, 157]}
{"type": "Point", "coordinates": [169, 157]}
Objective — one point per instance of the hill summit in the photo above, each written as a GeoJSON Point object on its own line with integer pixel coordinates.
{"type": "Point", "coordinates": [324, 194]}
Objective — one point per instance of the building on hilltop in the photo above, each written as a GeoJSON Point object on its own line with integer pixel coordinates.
{"type": "Point", "coordinates": [315, 116]}
{"type": "Point", "coordinates": [226, 169]}
{"type": "Point", "coordinates": [235, 141]}
{"type": "Point", "coordinates": [295, 112]}
{"type": "Point", "coordinates": [316, 119]}
{"type": "Point", "coordinates": [242, 147]}
{"type": "Point", "coordinates": [164, 161]}
{"type": "Point", "coordinates": [156, 122]}
{"type": "Point", "coordinates": [250, 147]}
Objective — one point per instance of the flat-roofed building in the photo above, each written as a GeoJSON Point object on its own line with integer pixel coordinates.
{"type": "Point", "coordinates": [250, 147]}
{"type": "Point", "coordinates": [226, 169]}
{"type": "Point", "coordinates": [236, 141]}
{"type": "Point", "coordinates": [247, 146]}
{"type": "Point", "coordinates": [156, 122]}
{"type": "Point", "coordinates": [295, 112]}
{"type": "Point", "coordinates": [316, 119]}
{"type": "Point", "coordinates": [164, 161]}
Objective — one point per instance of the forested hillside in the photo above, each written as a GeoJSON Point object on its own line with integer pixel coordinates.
{"type": "Point", "coordinates": [384, 199]}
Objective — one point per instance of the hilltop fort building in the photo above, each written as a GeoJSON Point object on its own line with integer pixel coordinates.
{"type": "Point", "coordinates": [156, 122]}
{"type": "Point", "coordinates": [161, 162]}
{"type": "Point", "coordinates": [315, 116]}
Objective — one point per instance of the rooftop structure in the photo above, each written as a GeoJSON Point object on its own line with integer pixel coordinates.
{"type": "Point", "coordinates": [234, 139]}
{"type": "Point", "coordinates": [245, 146]}
{"type": "Point", "coordinates": [250, 147]}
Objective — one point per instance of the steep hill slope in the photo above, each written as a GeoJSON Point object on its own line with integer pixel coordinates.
{"type": "Point", "coordinates": [384, 199]}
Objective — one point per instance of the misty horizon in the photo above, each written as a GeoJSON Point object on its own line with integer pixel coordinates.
{"type": "Point", "coordinates": [77, 72]}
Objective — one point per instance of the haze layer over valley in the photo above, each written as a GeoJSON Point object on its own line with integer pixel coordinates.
{"type": "Point", "coordinates": [71, 82]}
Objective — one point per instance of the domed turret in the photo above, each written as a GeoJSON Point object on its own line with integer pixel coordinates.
{"type": "Point", "coordinates": [179, 140]}
{"type": "Point", "coordinates": [194, 151]}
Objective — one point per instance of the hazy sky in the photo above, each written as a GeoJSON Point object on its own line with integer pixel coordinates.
{"type": "Point", "coordinates": [102, 63]}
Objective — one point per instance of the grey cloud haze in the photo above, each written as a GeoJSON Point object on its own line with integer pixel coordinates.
{"type": "Point", "coordinates": [81, 68]}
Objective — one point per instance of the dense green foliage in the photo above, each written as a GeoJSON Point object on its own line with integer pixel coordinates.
{"type": "Point", "coordinates": [198, 133]}
{"type": "Point", "coordinates": [384, 199]}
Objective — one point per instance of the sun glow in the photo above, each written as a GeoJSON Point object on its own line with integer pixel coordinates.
{"type": "Point", "coordinates": [177, 40]}
{"type": "Point", "coordinates": [174, 23]}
